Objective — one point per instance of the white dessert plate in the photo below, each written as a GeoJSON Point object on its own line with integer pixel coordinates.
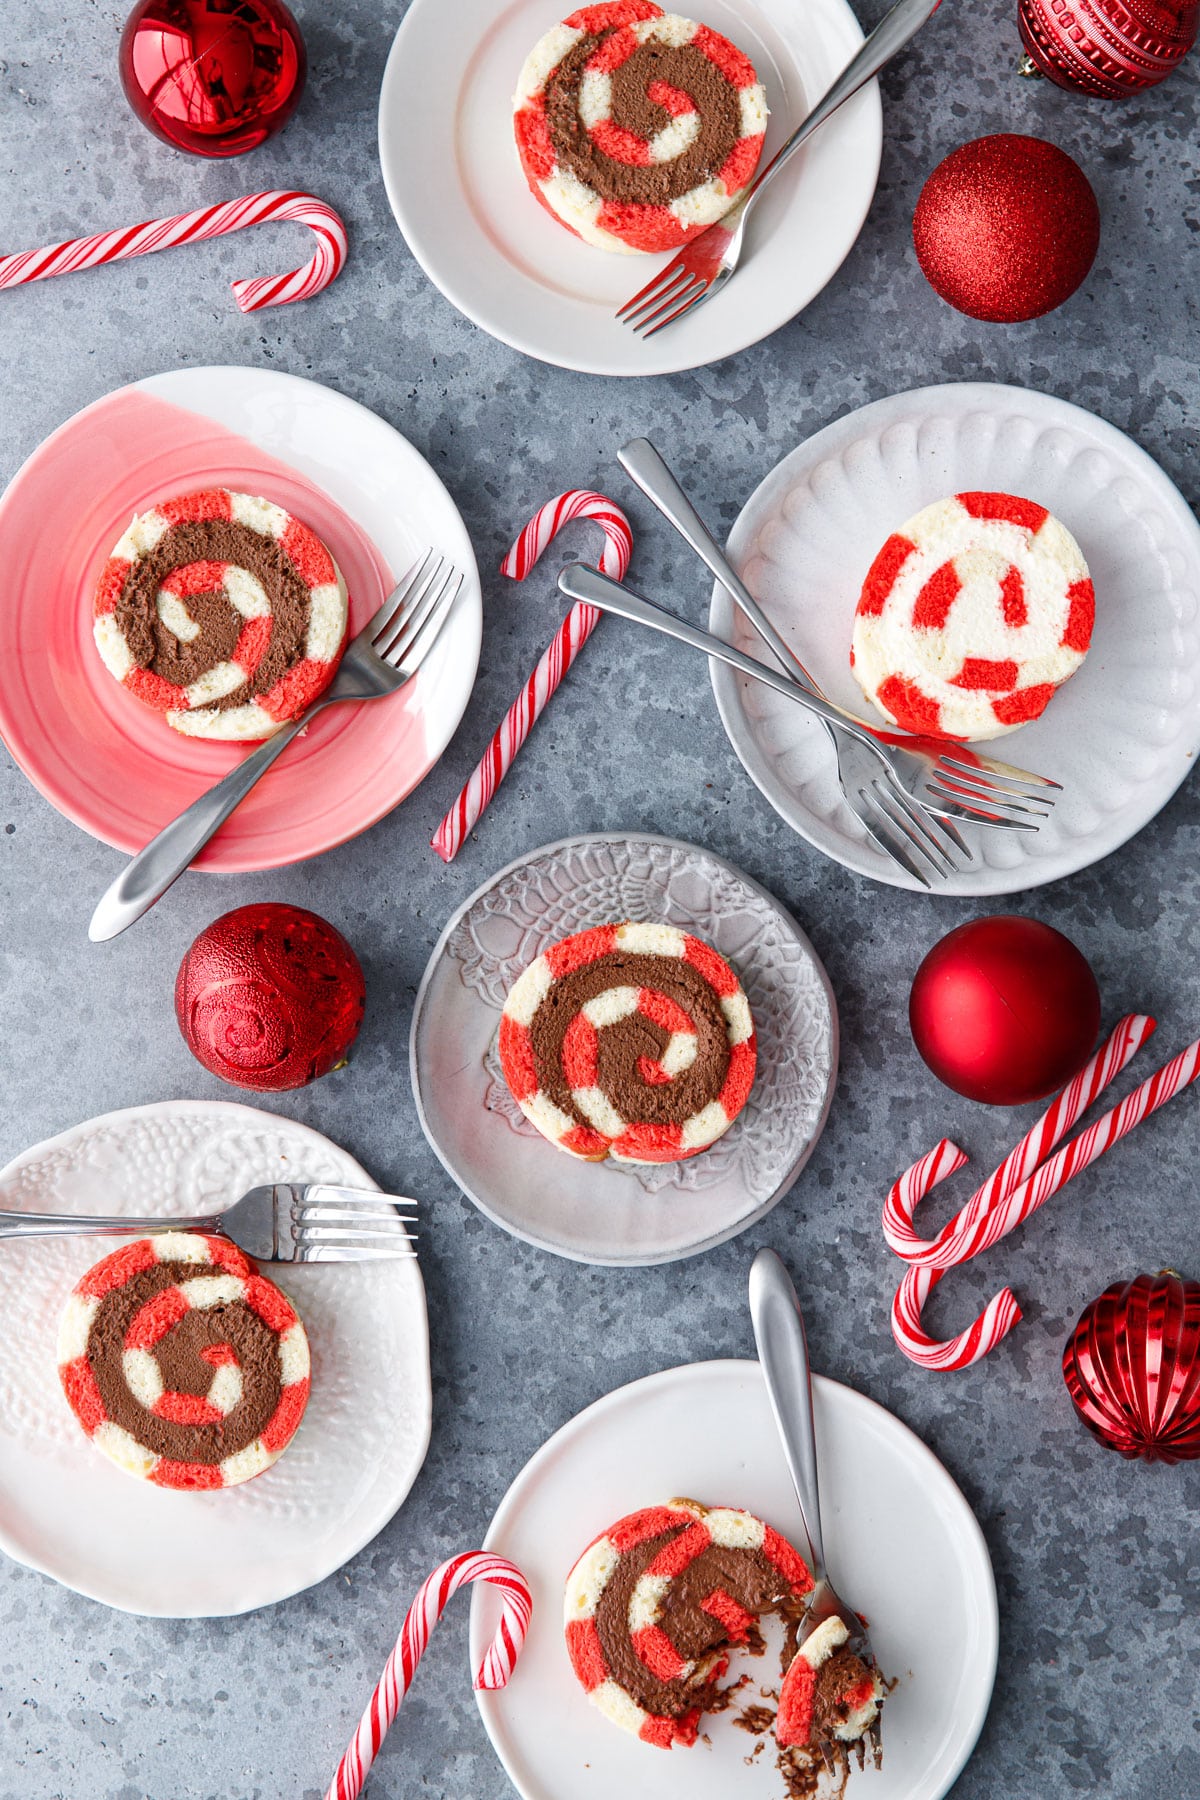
{"type": "Point", "coordinates": [111, 763]}
{"type": "Point", "coordinates": [901, 1539]}
{"type": "Point", "coordinates": [609, 1212]}
{"type": "Point", "coordinates": [456, 187]}
{"type": "Point", "coordinates": [1121, 734]}
{"type": "Point", "coordinates": [70, 1513]}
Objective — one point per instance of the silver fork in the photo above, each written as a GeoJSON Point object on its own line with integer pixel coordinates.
{"type": "Point", "coordinates": [386, 653]}
{"type": "Point", "coordinates": [783, 1352]}
{"type": "Point", "coordinates": [290, 1222]}
{"type": "Point", "coordinates": [705, 265]}
{"type": "Point", "coordinates": [985, 792]}
{"type": "Point", "coordinates": [903, 830]}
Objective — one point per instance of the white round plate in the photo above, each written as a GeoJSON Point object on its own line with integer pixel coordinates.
{"type": "Point", "coordinates": [904, 1543]}
{"type": "Point", "coordinates": [1123, 732]}
{"type": "Point", "coordinates": [456, 187]}
{"type": "Point", "coordinates": [69, 1512]}
{"type": "Point", "coordinates": [609, 1212]}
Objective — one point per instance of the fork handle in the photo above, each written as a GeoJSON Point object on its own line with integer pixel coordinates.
{"type": "Point", "coordinates": [163, 860]}
{"type": "Point", "coordinates": [648, 471]}
{"type": "Point", "coordinates": [37, 1225]}
{"type": "Point", "coordinates": [888, 38]}
{"type": "Point", "coordinates": [579, 582]}
{"type": "Point", "coordinates": [783, 1352]}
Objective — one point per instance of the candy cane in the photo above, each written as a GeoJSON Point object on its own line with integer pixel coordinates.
{"type": "Point", "coordinates": [424, 1613]}
{"type": "Point", "coordinates": [955, 1242]}
{"type": "Point", "coordinates": [568, 641]}
{"type": "Point", "coordinates": [251, 294]}
{"type": "Point", "coordinates": [1002, 1311]}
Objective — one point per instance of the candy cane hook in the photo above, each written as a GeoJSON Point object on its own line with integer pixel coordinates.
{"type": "Point", "coordinates": [251, 293]}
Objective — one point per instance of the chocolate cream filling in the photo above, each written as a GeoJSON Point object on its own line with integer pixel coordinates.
{"type": "Point", "coordinates": [637, 1101]}
{"type": "Point", "coordinates": [747, 1576]}
{"type": "Point", "coordinates": [184, 1369]}
{"type": "Point", "coordinates": [157, 649]}
{"type": "Point", "coordinates": [838, 1676]}
{"type": "Point", "coordinates": [655, 184]}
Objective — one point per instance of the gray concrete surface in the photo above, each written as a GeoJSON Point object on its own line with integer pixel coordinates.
{"type": "Point", "coordinates": [1095, 1558]}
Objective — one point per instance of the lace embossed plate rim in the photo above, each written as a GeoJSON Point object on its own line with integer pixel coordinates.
{"type": "Point", "coordinates": [896, 1525]}
{"type": "Point", "coordinates": [601, 1213]}
{"type": "Point", "coordinates": [1122, 734]}
{"type": "Point", "coordinates": [138, 1548]}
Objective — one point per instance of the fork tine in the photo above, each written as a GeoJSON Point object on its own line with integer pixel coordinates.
{"type": "Point", "coordinates": [897, 840]}
{"type": "Point", "coordinates": [987, 799]}
{"type": "Point", "coordinates": [319, 1234]}
{"type": "Point", "coordinates": [662, 293]}
{"type": "Point", "coordinates": [901, 818]}
{"type": "Point", "coordinates": [417, 644]}
{"type": "Point", "coordinates": [982, 783]}
{"type": "Point", "coordinates": [352, 1252]}
{"type": "Point", "coordinates": [412, 627]}
{"type": "Point", "coordinates": [412, 613]}
{"type": "Point", "coordinates": [890, 844]}
{"type": "Point", "coordinates": [1002, 770]}
{"type": "Point", "coordinates": [691, 297]}
{"type": "Point", "coordinates": [401, 598]}
{"type": "Point", "coordinates": [983, 815]}
{"type": "Point", "coordinates": [672, 269]}
{"type": "Point", "coordinates": [922, 824]}
{"type": "Point", "coordinates": [336, 1221]}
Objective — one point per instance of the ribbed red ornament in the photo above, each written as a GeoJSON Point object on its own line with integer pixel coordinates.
{"type": "Point", "coordinates": [1132, 1368]}
{"type": "Point", "coordinates": [1108, 47]}
{"type": "Point", "coordinates": [269, 997]}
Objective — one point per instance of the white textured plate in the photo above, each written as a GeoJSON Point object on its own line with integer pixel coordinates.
{"type": "Point", "coordinates": [609, 1212]}
{"type": "Point", "coordinates": [456, 187]}
{"type": "Point", "coordinates": [1120, 736]}
{"type": "Point", "coordinates": [903, 1542]}
{"type": "Point", "coordinates": [66, 1510]}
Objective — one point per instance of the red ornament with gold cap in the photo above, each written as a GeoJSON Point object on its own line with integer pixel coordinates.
{"type": "Point", "coordinates": [1107, 47]}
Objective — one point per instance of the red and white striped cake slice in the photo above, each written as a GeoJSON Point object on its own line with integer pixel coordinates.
{"type": "Point", "coordinates": [631, 226]}
{"type": "Point", "coordinates": [190, 709]}
{"type": "Point", "coordinates": [794, 1720]}
{"type": "Point", "coordinates": [971, 616]}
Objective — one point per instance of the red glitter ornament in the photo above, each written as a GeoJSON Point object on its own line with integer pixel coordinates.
{"type": "Point", "coordinates": [216, 77]}
{"type": "Point", "coordinates": [1108, 47]}
{"type": "Point", "coordinates": [1006, 228]}
{"type": "Point", "coordinates": [269, 997]}
{"type": "Point", "coordinates": [1132, 1368]}
{"type": "Point", "coordinates": [1005, 1010]}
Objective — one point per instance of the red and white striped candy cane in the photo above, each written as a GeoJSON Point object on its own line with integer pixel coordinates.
{"type": "Point", "coordinates": [1002, 1311]}
{"type": "Point", "coordinates": [955, 1242]}
{"type": "Point", "coordinates": [251, 293]}
{"type": "Point", "coordinates": [569, 639]}
{"type": "Point", "coordinates": [424, 1613]}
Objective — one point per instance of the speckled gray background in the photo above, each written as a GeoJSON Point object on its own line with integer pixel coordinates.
{"type": "Point", "coordinates": [1096, 1559]}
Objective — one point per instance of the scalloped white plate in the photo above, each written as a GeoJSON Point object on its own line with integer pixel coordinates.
{"type": "Point", "coordinates": [1123, 732]}
{"type": "Point", "coordinates": [70, 1513]}
{"type": "Point", "coordinates": [609, 1212]}
{"type": "Point", "coordinates": [456, 188]}
{"type": "Point", "coordinates": [904, 1544]}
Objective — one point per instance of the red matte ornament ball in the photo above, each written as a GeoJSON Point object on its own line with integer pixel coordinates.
{"type": "Point", "coordinates": [1007, 227]}
{"type": "Point", "coordinates": [1132, 1368]}
{"type": "Point", "coordinates": [1005, 1010]}
{"type": "Point", "coordinates": [270, 997]}
{"type": "Point", "coordinates": [214, 77]}
{"type": "Point", "coordinates": [1107, 47]}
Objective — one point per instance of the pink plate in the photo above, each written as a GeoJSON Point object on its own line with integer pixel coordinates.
{"type": "Point", "coordinates": [107, 761]}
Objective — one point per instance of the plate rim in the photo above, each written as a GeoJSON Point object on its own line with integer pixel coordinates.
{"type": "Point", "coordinates": [436, 957]}
{"type": "Point", "coordinates": [656, 364]}
{"type": "Point", "coordinates": [184, 1107]}
{"type": "Point", "coordinates": [490, 1702]}
{"type": "Point", "coordinates": [239, 863]}
{"type": "Point", "coordinates": [721, 618]}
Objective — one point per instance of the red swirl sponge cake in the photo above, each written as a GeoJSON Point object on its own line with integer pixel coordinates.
{"type": "Point", "coordinates": [829, 1694]}
{"type": "Point", "coordinates": [972, 615]}
{"type": "Point", "coordinates": [637, 128]}
{"type": "Point", "coordinates": [633, 1041]}
{"type": "Point", "coordinates": [222, 612]}
{"type": "Point", "coordinates": [654, 1604]}
{"type": "Point", "coordinates": [182, 1363]}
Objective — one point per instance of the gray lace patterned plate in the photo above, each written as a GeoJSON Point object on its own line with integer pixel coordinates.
{"type": "Point", "coordinates": [611, 1213]}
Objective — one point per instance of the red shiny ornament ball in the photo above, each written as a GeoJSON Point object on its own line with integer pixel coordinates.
{"type": "Point", "coordinates": [1005, 1010]}
{"type": "Point", "coordinates": [269, 997]}
{"type": "Point", "coordinates": [1132, 1368]}
{"type": "Point", "coordinates": [1107, 47]}
{"type": "Point", "coordinates": [216, 77]}
{"type": "Point", "coordinates": [1006, 228]}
